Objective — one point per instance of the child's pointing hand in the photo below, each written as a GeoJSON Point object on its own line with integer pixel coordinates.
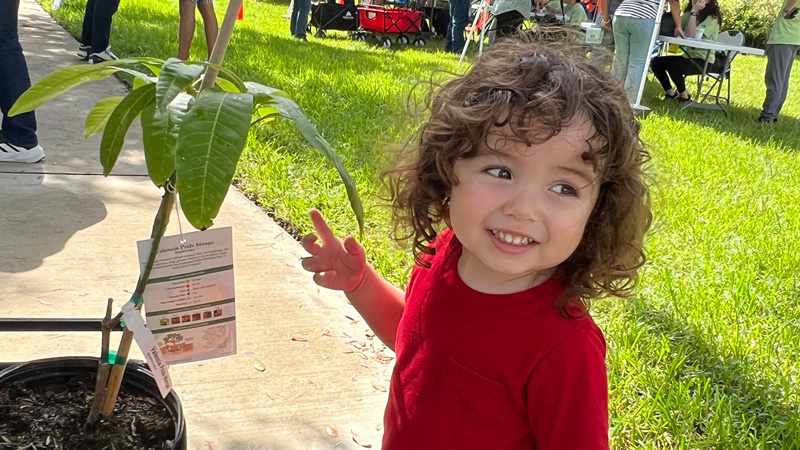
{"type": "Point", "coordinates": [336, 264]}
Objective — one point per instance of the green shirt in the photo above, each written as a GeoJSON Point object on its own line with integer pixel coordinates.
{"type": "Point", "coordinates": [785, 31]}
{"type": "Point", "coordinates": [710, 32]}
{"type": "Point", "coordinates": [575, 14]}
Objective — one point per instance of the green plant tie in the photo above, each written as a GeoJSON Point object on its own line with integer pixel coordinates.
{"type": "Point", "coordinates": [112, 356]}
{"type": "Point", "coordinates": [136, 299]}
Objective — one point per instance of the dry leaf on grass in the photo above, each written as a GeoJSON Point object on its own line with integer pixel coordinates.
{"type": "Point", "coordinates": [360, 441]}
{"type": "Point", "coordinates": [299, 338]}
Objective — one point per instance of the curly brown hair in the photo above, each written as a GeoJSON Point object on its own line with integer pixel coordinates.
{"type": "Point", "coordinates": [535, 91]}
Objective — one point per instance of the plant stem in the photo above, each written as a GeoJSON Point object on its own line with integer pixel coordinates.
{"type": "Point", "coordinates": [104, 368]}
{"type": "Point", "coordinates": [159, 228]}
{"type": "Point", "coordinates": [221, 45]}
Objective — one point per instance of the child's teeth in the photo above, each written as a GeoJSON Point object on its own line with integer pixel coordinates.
{"type": "Point", "coordinates": [514, 240]}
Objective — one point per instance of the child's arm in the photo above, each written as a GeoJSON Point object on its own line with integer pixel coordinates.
{"type": "Point", "coordinates": [342, 265]}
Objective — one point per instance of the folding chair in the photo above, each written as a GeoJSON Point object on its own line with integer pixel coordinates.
{"type": "Point", "coordinates": [730, 37]}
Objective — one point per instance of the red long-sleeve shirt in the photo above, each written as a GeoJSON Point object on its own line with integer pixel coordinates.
{"type": "Point", "coordinates": [481, 371]}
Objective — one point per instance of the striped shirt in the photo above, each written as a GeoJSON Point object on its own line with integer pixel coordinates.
{"type": "Point", "coordinates": [638, 9]}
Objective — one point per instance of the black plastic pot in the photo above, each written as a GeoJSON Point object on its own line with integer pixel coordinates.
{"type": "Point", "coordinates": [136, 375]}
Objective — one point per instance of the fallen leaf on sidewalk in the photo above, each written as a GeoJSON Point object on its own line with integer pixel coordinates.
{"type": "Point", "coordinates": [332, 432]}
{"type": "Point", "coordinates": [299, 338]}
{"type": "Point", "coordinates": [45, 302]}
{"type": "Point", "coordinates": [379, 387]}
{"type": "Point", "coordinates": [379, 427]}
{"type": "Point", "coordinates": [259, 366]}
{"type": "Point", "coordinates": [358, 440]}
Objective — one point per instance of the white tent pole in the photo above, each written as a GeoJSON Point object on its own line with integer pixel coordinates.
{"type": "Point", "coordinates": [656, 29]}
{"type": "Point", "coordinates": [472, 31]}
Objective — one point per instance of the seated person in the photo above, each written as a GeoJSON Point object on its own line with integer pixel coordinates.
{"type": "Point", "coordinates": [574, 13]}
{"type": "Point", "coordinates": [699, 14]}
{"type": "Point", "coordinates": [510, 15]}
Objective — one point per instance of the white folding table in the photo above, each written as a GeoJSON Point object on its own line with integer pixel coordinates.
{"type": "Point", "coordinates": [708, 46]}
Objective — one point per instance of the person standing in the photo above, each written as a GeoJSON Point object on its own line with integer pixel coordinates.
{"type": "Point", "coordinates": [188, 23]}
{"type": "Point", "coordinates": [459, 16]}
{"type": "Point", "coordinates": [782, 47]}
{"type": "Point", "coordinates": [633, 26]}
{"type": "Point", "coordinates": [299, 20]}
{"type": "Point", "coordinates": [96, 32]}
{"type": "Point", "coordinates": [18, 142]}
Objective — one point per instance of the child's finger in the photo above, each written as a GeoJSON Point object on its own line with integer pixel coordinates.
{"type": "Point", "coordinates": [352, 246]}
{"type": "Point", "coordinates": [322, 227]}
{"type": "Point", "coordinates": [309, 244]}
{"type": "Point", "coordinates": [313, 264]}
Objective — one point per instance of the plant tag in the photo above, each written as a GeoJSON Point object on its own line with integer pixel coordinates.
{"type": "Point", "coordinates": [147, 343]}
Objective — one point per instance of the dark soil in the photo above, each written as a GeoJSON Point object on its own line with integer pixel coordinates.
{"type": "Point", "coordinates": [35, 415]}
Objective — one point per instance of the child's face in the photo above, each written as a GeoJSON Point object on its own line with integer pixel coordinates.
{"type": "Point", "coordinates": [521, 211]}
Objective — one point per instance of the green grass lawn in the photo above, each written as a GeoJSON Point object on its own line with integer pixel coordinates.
{"type": "Point", "coordinates": [704, 357]}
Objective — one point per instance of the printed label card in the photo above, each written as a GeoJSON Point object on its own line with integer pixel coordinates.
{"type": "Point", "coordinates": [189, 300]}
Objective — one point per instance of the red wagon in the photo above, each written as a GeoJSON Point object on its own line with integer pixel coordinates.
{"type": "Point", "coordinates": [384, 20]}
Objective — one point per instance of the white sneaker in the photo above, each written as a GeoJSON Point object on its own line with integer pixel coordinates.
{"type": "Point", "coordinates": [83, 51]}
{"type": "Point", "coordinates": [14, 153]}
{"type": "Point", "coordinates": [105, 55]}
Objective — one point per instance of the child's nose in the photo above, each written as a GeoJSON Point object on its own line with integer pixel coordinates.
{"type": "Point", "coordinates": [523, 205]}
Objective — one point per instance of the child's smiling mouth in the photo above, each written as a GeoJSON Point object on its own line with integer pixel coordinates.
{"type": "Point", "coordinates": [513, 239]}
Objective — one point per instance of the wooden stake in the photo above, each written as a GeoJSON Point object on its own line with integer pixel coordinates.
{"type": "Point", "coordinates": [104, 368]}
{"type": "Point", "coordinates": [221, 45]}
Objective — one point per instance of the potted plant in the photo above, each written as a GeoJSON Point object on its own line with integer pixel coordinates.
{"type": "Point", "coordinates": [192, 120]}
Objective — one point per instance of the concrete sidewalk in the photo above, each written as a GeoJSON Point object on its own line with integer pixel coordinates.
{"type": "Point", "coordinates": [68, 242]}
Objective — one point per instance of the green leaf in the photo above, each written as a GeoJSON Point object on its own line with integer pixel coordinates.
{"type": "Point", "coordinates": [119, 122]}
{"type": "Point", "coordinates": [55, 84]}
{"type": "Point", "coordinates": [264, 94]}
{"type": "Point", "coordinates": [62, 80]}
{"type": "Point", "coordinates": [290, 110]}
{"type": "Point", "coordinates": [175, 76]}
{"type": "Point", "coordinates": [158, 154]}
{"type": "Point", "coordinates": [98, 116]}
{"type": "Point", "coordinates": [212, 136]}
{"type": "Point", "coordinates": [226, 85]}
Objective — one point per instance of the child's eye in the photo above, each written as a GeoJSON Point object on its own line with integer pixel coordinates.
{"type": "Point", "coordinates": [565, 189]}
{"type": "Point", "coordinates": [499, 172]}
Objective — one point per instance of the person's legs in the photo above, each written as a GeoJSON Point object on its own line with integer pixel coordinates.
{"type": "Point", "coordinates": [459, 16]}
{"type": "Point", "coordinates": [18, 141]}
{"type": "Point", "coordinates": [19, 130]}
{"type": "Point", "coordinates": [659, 67]}
{"type": "Point", "coordinates": [779, 67]}
{"type": "Point", "coordinates": [101, 26]}
{"type": "Point", "coordinates": [680, 68]}
{"type": "Point", "coordinates": [186, 27]}
{"type": "Point", "coordinates": [641, 31]}
{"type": "Point", "coordinates": [300, 18]}
{"type": "Point", "coordinates": [88, 19]}
{"type": "Point", "coordinates": [210, 25]}
{"type": "Point", "coordinates": [622, 38]}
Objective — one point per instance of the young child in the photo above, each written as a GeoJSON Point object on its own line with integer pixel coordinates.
{"type": "Point", "coordinates": [187, 23]}
{"type": "Point", "coordinates": [525, 201]}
